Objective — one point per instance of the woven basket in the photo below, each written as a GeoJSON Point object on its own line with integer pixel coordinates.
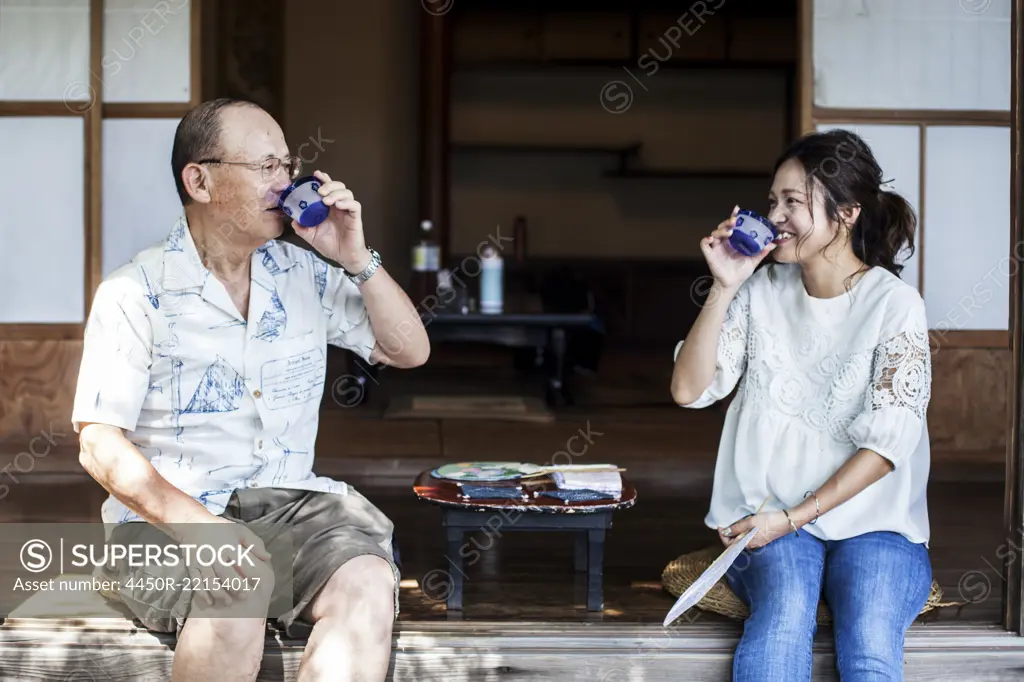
{"type": "Point", "coordinates": [682, 572]}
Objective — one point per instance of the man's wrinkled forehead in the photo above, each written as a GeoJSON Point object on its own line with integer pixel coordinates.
{"type": "Point", "coordinates": [250, 133]}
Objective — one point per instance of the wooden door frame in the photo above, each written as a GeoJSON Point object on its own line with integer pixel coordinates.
{"type": "Point", "coordinates": [93, 111]}
{"type": "Point", "coordinates": [1014, 500]}
{"type": "Point", "coordinates": [436, 39]}
{"type": "Point", "coordinates": [434, 125]}
{"type": "Point", "coordinates": [811, 115]}
{"type": "Point", "coordinates": [46, 356]}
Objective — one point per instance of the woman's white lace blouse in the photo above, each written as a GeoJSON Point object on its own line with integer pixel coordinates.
{"type": "Point", "coordinates": [819, 379]}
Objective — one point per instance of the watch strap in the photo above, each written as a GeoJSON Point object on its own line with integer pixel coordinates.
{"type": "Point", "coordinates": [368, 271]}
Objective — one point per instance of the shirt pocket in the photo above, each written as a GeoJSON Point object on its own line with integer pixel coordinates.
{"type": "Point", "coordinates": [292, 370]}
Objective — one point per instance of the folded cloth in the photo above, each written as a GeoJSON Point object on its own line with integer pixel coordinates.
{"type": "Point", "coordinates": [491, 492]}
{"type": "Point", "coordinates": [608, 482]}
{"type": "Point", "coordinates": [577, 495]}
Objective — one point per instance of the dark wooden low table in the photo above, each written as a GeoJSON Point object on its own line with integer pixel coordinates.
{"type": "Point", "coordinates": [516, 330]}
{"type": "Point", "coordinates": [588, 521]}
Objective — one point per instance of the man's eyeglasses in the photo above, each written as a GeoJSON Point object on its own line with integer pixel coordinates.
{"type": "Point", "coordinates": [267, 167]}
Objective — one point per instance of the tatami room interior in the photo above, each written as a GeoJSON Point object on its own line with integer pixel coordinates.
{"type": "Point", "coordinates": [417, 135]}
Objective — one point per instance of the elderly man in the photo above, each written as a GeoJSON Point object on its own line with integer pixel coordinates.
{"type": "Point", "coordinates": [198, 401]}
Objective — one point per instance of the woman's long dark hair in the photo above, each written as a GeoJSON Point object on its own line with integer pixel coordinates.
{"type": "Point", "coordinates": [848, 175]}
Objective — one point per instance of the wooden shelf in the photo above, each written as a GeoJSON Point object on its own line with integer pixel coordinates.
{"type": "Point", "coordinates": [695, 174]}
{"type": "Point", "coordinates": [538, 44]}
{"type": "Point", "coordinates": [732, 7]}
{"type": "Point", "coordinates": [526, 148]}
{"type": "Point", "coordinates": [622, 151]}
{"type": "Point", "coordinates": [616, 64]}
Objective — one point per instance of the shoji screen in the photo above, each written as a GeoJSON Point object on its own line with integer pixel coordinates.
{"type": "Point", "coordinates": [44, 85]}
{"type": "Point", "coordinates": [898, 151]}
{"type": "Point", "coordinates": [927, 84]}
{"type": "Point", "coordinates": [912, 54]}
{"type": "Point", "coordinates": [90, 94]}
{"type": "Point", "coordinates": [42, 219]}
{"type": "Point", "coordinates": [139, 199]}
{"type": "Point", "coordinates": [146, 51]}
{"type": "Point", "coordinates": [967, 204]}
{"type": "Point", "coordinates": [44, 50]}
{"type": "Point", "coordinates": [148, 83]}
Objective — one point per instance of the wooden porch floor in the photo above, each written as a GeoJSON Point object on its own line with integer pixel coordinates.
{"type": "Point", "coordinates": [524, 585]}
{"type": "Point", "coordinates": [669, 455]}
{"type": "Point", "coordinates": [514, 651]}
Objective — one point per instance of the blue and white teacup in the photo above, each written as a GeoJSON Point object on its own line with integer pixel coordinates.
{"type": "Point", "coordinates": [302, 202]}
{"type": "Point", "coordinates": [752, 233]}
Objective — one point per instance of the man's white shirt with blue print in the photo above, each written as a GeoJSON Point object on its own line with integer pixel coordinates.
{"type": "Point", "coordinates": [216, 403]}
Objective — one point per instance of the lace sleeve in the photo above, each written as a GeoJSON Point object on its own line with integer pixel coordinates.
{"type": "Point", "coordinates": [896, 404]}
{"type": "Point", "coordinates": [732, 351]}
{"type": "Point", "coordinates": [902, 374]}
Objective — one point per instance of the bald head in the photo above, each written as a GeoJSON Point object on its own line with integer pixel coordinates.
{"type": "Point", "coordinates": [199, 136]}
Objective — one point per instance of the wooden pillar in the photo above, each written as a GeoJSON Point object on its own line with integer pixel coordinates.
{"type": "Point", "coordinates": [1013, 611]}
{"type": "Point", "coordinates": [434, 124]}
{"type": "Point", "coordinates": [805, 66]}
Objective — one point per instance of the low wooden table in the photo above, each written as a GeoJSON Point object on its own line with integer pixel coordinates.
{"type": "Point", "coordinates": [588, 521]}
{"type": "Point", "coordinates": [515, 329]}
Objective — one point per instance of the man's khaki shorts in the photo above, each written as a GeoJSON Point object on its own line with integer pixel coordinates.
{"type": "Point", "coordinates": [322, 531]}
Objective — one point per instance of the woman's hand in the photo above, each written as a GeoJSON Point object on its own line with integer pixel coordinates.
{"type": "Point", "coordinates": [729, 267]}
{"type": "Point", "coordinates": [770, 526]}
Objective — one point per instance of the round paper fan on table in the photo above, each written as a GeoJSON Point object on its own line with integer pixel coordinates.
{"type": "Point", "coordinates": [485, 471]}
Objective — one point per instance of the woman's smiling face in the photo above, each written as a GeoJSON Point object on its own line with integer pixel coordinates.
{"type": "Point", "coordinates": [804, 227]}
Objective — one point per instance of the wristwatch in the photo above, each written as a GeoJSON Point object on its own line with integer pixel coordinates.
{"type": "Point", "coordinates": [368, 271]}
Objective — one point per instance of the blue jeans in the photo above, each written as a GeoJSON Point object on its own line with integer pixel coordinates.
{"type": "Point", "coordinates": [875, 585]}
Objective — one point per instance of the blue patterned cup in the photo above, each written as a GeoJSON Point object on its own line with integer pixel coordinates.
{"type": "Point", "coordinates": [752, 233]}
{"type": "Point", "coordinates": [302, 202]}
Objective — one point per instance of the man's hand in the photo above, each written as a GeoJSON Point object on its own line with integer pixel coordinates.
{"type": "Point", "coordinates": [339, 237]}
{"type": "Point", "coordinates": [770, 526]}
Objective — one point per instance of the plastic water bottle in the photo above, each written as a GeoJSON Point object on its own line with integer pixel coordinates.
{"type": "Point", "coordinates": [491, 281]}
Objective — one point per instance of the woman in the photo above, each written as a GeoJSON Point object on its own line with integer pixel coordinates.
{"type": "Point", "coordinates": [830, 350]}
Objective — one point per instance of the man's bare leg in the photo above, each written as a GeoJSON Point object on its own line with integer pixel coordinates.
{"type": "Point", "coordinates": [228, 649]}
{"type": "Point", "coordinates": [214, 647]}
{"type": "Point", "coordinates": [352, 617]}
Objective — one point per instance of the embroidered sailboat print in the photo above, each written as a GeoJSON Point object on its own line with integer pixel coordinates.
{"type": "Point", "coordinates": [219, 390]}
{"type": "Point", "coordinates": [274, 318]}
{"type": "Point", "coordinates": [176, 240]}
{"type": "Point", "coordinates": [320, 277]}
{"type": "Point", "coordinates": [269, 263]}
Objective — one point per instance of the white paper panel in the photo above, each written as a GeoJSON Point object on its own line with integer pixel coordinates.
{"type": "Point", "coordinates": [140, 203]}
{"type": "Point", "coordinates": [912, 54]}
{"type": "Point", "coordinates": [44, 50]}
{"type": "Point", "coordinates": [967, 255]}
{"type": "Point", "coordinates": [42, 218]}
{"type": "Point", "coordinates": [897, 148]}
{"type": "Point", "coordinates": [146, 51]}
